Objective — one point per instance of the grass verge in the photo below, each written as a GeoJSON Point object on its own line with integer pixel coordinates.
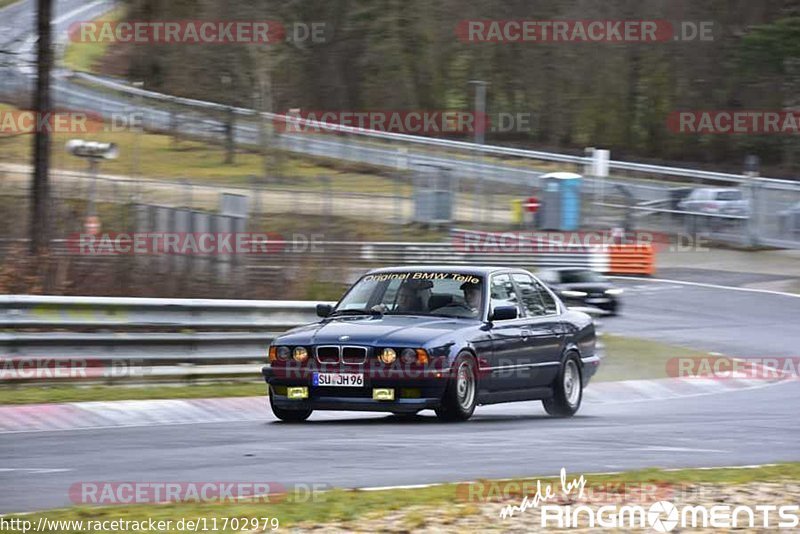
{"type": "Point", "coordinates": [349, 505]}
{"type": "Point", "coordinates": [163, 157]}
{"type": "Point", "coordinates": [83, 56]}
{"type": "Point", "coordinates": [76, 393]}
{"type": "Point", "coordinates": [630, 358]}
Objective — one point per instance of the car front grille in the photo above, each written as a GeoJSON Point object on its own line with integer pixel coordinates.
{"type": "Point", "coordinates": [354, 355]}
{"type": "Point", "coordinates": [347, 354]}
{"type": "Point", "coordinates": [328, 354]}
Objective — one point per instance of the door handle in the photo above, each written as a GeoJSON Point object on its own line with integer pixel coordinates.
{"type": "Point", "coordinates": [526, 334]}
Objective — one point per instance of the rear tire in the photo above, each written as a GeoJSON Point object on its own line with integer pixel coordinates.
{"type": "Point", "coordinates": [461, 395]}
{"type": "Point", "coordinates": [567, 390]}
{"type": "Point", "coordinates": [286, 415]}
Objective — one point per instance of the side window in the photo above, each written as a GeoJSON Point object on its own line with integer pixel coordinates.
{"type": "Point", "coordinates": [531, 300]}
{"type": "Point", "coordinates": [536, 299]}
{"type": "Point", "coordinates": [502, 292]}
{"type": "Point", "coordinates": [550, 306]}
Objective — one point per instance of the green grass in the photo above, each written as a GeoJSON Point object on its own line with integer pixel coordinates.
{"type": "Point", "coordinates": [629, 358]}
{"type": "Point", "coordinates": [84, 56]}
{"type": "Point", "coordinates": [75, 393]}
{"type": "Point", "coordinates": [349, 505]}
{"type": "Point", "coordinates": [163, 158]}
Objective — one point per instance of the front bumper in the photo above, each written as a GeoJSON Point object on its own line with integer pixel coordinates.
{"type": "Point", "coordinates": [420, 390]}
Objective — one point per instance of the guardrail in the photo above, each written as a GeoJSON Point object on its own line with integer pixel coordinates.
{"type": "Point", "coordinates": [35, 349]}
{"type": "Point", "coordinates": [18, 311]}
{"type": "Point", "coordinates": [98, 339]}
{"type": "Point", "coordinates": [397, 138]}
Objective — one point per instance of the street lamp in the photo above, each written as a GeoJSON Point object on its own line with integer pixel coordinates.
{"type": "Point", "coordinates": [94, 152]}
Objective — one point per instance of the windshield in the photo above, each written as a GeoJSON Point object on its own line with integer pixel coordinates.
{"type": "Point", "coordinates": [729, 195]}
{"type": "Point", "coordinates": [446, 294]}
{"type": "Point", "coordinates": [581, 277]}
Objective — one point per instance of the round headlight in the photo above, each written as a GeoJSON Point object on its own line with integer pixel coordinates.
{"type": "Point", "coordinates": [284, 353]}
{"type": "Point", "coordinates": [300, 354]}
{"type": "Point", "coordinates": [408, 356]}
{"type": "Point", "coordinates": [388, 356]}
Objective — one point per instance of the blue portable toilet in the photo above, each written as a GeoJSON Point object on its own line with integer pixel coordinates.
{"type": "Point", "coordinates": [561, 201]}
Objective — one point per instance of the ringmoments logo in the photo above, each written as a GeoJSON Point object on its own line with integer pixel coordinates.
{"type": "Point", "coordinates": [661, 516]}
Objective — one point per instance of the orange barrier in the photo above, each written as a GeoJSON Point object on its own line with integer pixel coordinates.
{"type": "Point", "coordinates": [631, 259]}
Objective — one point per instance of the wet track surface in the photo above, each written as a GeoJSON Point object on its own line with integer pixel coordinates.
{"type": "Point", "coordinates": [365, 450]}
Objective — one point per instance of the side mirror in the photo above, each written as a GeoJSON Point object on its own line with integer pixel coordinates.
{"type": "Point", "coordinates": [324, 310]}
{"type": "Point", "coordinates": [504, 313]}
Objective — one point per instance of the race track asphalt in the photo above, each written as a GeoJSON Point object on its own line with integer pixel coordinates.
{"type": "Point", "coordinates": [367, 450]}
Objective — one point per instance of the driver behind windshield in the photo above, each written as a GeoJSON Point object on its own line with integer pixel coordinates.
{"type": "Point", "coordinates": [412, 297]}
{"type": "Point", "coordinates": [472, 295]}
{"type": "Point", "coordinates": [468, 307]}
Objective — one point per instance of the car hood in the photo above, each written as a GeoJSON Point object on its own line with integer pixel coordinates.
{"type": "Point", "coordinates": [378, 330]}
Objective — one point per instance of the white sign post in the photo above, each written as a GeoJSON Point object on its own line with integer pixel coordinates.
{"type": "Point", "coordinates": [600, 158]}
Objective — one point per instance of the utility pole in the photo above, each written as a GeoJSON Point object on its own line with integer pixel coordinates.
{"type": "Point", "coordinates": [479, 120]}
{"type": "Point", "coordinates": [230, 126]}
{"type": "Point", "coordinates": [40, 189]}
{"type": "Point", "coordinates": [137, 140]}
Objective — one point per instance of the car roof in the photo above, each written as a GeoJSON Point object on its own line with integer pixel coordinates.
{"type": "Point", "coordinates": [472, 269]}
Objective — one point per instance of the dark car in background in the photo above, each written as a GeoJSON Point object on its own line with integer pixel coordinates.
{"type": "Point", "coordinates": [583, 287]}
{"type": "Point", "coordinates": [449, 339]}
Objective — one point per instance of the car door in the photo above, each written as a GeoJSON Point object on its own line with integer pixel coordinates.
{"type": "Point", "coordinates": [501, 373]}
{"type": "Point", "coordinates": [542, 335]}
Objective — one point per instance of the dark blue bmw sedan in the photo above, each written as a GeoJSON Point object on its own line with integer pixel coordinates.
{"type": "Point", "coordinates": [449, 339]}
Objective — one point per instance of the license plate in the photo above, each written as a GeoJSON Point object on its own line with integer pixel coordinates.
{"type": "Point", "coordinates": [597, 301]}
{"type": "Point", "coordinates": [341, 380]}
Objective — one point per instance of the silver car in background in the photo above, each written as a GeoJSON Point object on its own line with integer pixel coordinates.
{"type": "Point", "coordinates": [716, 201]}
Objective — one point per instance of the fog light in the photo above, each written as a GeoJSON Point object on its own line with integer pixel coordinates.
{"type": "Point", "coordinates": [388, 356]}
{"type": "Point", "coordinates": [383, 394]}
{"type": "Point", "coordinates": [297, 393]}
{"type": "Point", "coordinates": [300, 354]}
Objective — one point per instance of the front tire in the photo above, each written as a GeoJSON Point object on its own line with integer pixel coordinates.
{"type": "Point", "coordinates": [461, 395]}
{"type": "Point", "coordinates": [286, 415]}
{"type": "Point", "coordinates": [567, 390]}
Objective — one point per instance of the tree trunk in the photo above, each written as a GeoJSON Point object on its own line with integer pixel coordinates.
{"type": "Point", "coordinates": [40, 190]}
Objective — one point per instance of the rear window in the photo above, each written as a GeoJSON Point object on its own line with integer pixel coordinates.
{"type": "Point", "coordinates": [729, 195]}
